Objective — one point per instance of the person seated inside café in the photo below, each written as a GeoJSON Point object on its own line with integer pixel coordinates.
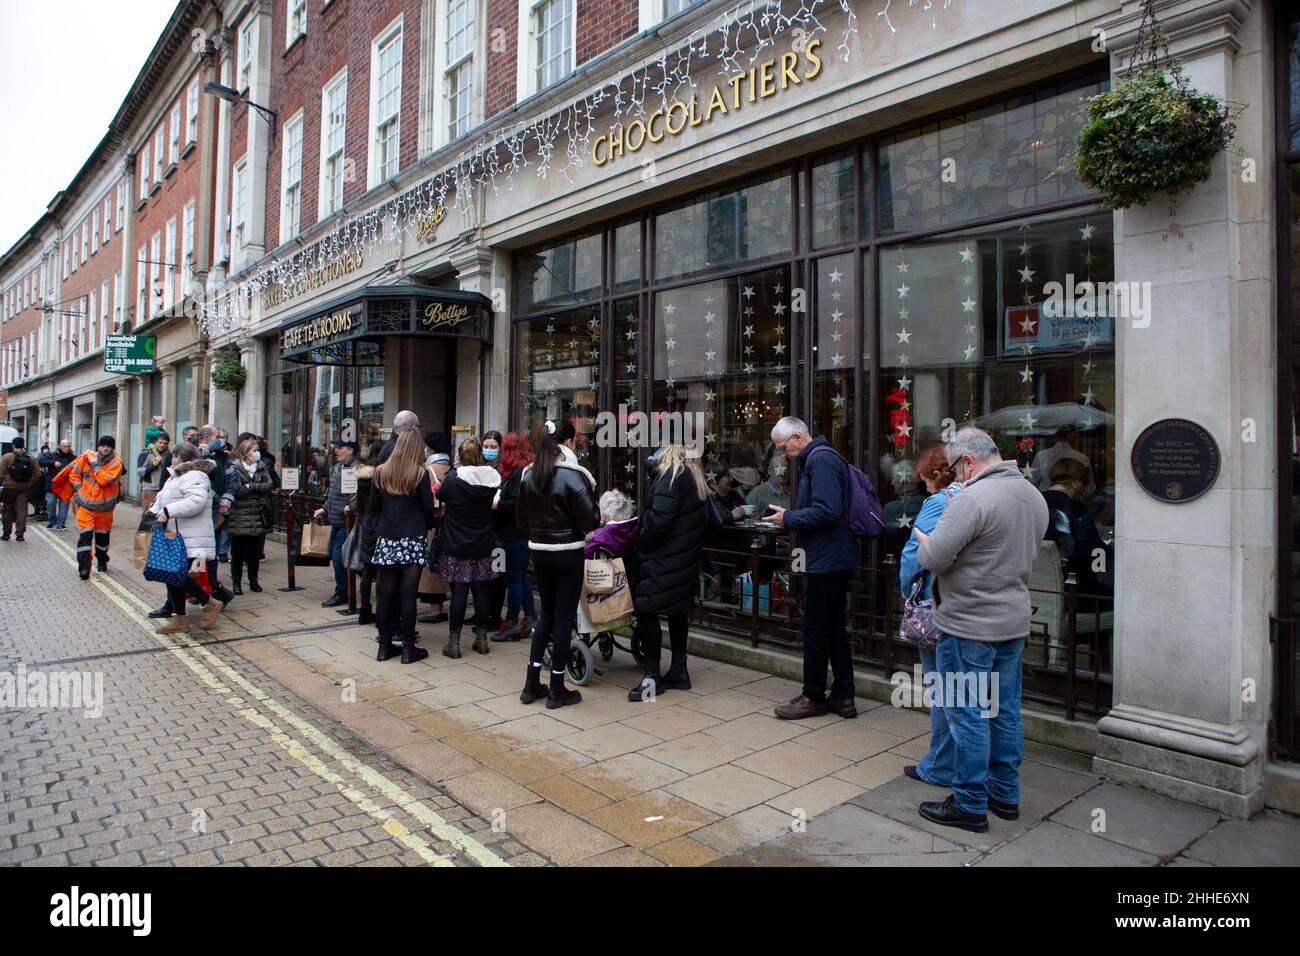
{"type": "Point", "coordinates": [724, 489]}
{"type": "Point", "coordinates": [1075, 532]}
{"type": "Point", "coordinates": [775, 490]}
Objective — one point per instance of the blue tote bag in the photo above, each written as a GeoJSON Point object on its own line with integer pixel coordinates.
{"type": "Point", "coordinates": [168, 562]}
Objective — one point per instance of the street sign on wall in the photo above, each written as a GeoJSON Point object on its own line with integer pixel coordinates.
{"type": "Point", "coordinates": [130, 354]}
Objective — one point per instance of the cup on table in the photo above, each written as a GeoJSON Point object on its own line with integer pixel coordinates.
{"type": "Point", "coordinates": [749, 510]}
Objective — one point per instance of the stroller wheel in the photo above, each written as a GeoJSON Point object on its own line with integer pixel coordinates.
{"type": "Point", "coordinates": [606, 643]}
{"type": "Point", "coordinates": [581, 664]}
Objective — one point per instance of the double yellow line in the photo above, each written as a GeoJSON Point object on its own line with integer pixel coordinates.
{"type": "Point", "coordinates": [236, 691]}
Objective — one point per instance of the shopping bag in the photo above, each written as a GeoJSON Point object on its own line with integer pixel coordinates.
{"type": "Point", "coordinates": [147, 497]}
{"type": "Point", "coordinates": [315, 540]}
{"type": "Point", "coordinates": [599, 575]}
{"type": "Point", "coordinates": [747, 594]}
{"type": "Point", "coordinates": [141, 548]}
{"type": "Point", "coordinates": [167, 561]}
{"type": "Point", "coordinates": [431, 582]}
{"type": "Point", "coordinates": [605, 609]}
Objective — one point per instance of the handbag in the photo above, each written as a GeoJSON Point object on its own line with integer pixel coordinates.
{"type": "Point", "coordinates": [918, 627]}
{"type": "Point", "coordinates": [266, 513]}
{"type": "Point", "coordinates": [168, 562]}
{"type": "Point", "coordinates": [432, 548]}
{"type": "Point", "coordinates": [352, 558]}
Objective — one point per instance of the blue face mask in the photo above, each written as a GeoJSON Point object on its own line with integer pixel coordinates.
{"type": "Point", "coordinates": [490, 454]}
{"type": "Point", "coordinates": [217, 444]}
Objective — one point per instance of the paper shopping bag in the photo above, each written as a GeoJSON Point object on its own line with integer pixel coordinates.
{"type": "Point", "coordinates": [617, 604]}
{"type": "Point", "coordinates": [599, 575]}
{"type": "Point", "coordinates": [431, 582]}
{"type": "Point", "coordinates": [315, 541]}
{"type": "Point", "coordinates": [141, 548]}
{"type": "Point", "coordinates": [147, 497]}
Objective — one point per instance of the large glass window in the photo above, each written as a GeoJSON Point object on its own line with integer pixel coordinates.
{"type": "Point", "coordinates": [724, 229]}
{"type": "Point", "coordinates": [557, 368]}
{"type": "Point", "coordinates": [992, 160]}
{"type": "Point", "coordinates": [564, 274]}
{"type": "Point", "coordinates": [625, 345]}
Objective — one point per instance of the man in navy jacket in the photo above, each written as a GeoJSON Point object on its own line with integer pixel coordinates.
{"type": "Point", "coordinates": [830, 554]}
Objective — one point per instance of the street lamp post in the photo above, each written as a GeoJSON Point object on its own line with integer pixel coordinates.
{"type": "Point", "coordinates": [232, 95]}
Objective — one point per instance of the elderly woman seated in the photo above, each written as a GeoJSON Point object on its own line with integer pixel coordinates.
{"type": "Point", "coordinates": [618, 528]}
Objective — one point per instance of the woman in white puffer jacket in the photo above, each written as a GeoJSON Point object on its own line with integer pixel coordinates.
{"type": "Point", "coordinates": [185, 504]}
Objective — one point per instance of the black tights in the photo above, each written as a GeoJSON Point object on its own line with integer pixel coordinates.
{"type": "Point", "coordinates": [365, 585]}
{"type": "Point", "coordinates": [460, 597]}
{"type": "Point", "coordinates": [177, 593]}
{"type": "Point", "coordinates": [396, 591]}
{"type": "Point", "coordinates": [652, 639]}
{"type": "Point", "coordinates": [559, 578]}
{"type": "Point", "coordinates": [245, 549]}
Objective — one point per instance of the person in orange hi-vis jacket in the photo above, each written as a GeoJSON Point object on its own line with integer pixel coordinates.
{"type": "Point", "coordinates": [95, 480]}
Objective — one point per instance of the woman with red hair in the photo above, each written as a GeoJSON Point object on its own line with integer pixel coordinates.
{"type": "Point", "coordinates": [515, 455]}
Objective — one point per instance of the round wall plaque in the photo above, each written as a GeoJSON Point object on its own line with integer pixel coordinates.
{"type": "Point", "coordinates": [1175, 460]}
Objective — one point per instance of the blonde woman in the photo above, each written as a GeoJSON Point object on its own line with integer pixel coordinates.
{"type": "Point", "coordinates": [402, 497]}
{"type": "Point", "coordinates": [668, 565]}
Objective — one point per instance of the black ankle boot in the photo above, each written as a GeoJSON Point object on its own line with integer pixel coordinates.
{"type": "Point", "coordinates": [366, 616]}
{"type": "Point", "coordinates": [557, 695]}
{"type": "Point", "coordinates": [411, 653]}
{"type": "Point", "coordinates": [386, 649]}
{"type": "Point", "coordinates": [675, 679]}
{"type": "Point", "coordinates": [534, 689]}
{"type": "Point", "coordinates": [236, 587]}
{"type": "Point", "coordinates": [254, 586]}
{"type": "Point", "coordinates": [650, 686]}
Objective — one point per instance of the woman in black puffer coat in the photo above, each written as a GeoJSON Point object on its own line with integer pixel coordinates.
{"type": "Point", "coordinates": [668, 565]}
{"type": "Point", "coordinates": [369, 532]}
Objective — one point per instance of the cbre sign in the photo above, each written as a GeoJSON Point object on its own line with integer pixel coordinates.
{"type": "Point", "coordinates": [130, 354]}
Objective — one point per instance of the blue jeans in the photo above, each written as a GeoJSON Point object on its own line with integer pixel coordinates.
{"type": "Point", "coordinates": [337, 537]}
{"type": "Point", "coordinates": [58, 510]}
{"type": "Point", "coordinates": [519, 592]}
{"type": "Point", "coordinates": [989, 745]}
{"type": "Point", "coordinates": [939, 764]}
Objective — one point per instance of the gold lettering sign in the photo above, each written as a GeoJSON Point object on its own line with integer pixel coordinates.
{"type": "Point", "coordinates": [426, 230]}
{"type": "Point", "coordinates": [314, 279]}
{"type": "Point", "coordinates": [442, 313]}
{"type": "Point", "coordinates": [759, 82]}
{"type": "Point", "coordinates": [324, 327]}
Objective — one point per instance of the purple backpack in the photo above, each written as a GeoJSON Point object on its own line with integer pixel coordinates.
{"type": "Point", "coordinates": [866, 516]}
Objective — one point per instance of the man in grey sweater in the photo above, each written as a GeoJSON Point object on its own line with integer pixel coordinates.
{"type": "Point", "coordinates": [982, 552]}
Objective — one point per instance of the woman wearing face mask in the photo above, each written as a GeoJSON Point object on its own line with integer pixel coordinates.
{"type": "Point", "coordinates": [248, 488]}
{"type": "Point", "coordinates": [491, 448]}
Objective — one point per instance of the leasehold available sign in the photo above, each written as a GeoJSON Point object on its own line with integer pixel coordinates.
{"type": "Point", "coordinates": [130, 354]}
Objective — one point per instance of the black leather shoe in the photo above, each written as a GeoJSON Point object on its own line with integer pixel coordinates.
{"type": "Point", "coordinates": [913, 771]}
{"type": "Point", "coordinates": [411, 653]}
{"type": "Point", "coordinates": [948, 814]}
{"type": "Point", "coordinates": [236, 588]}
{"type": "Point", "coordinates": [164, 611]}
{"type": "Point", "coordinates": [334, 601]}
{"type": "Point", "coordinates": [432, 618]}
{"type": "Point", "coordinates": [386, 649]}
{"type": "Point", "coordinates": [675, 680]}
{"type": "Point", "coordinates": [1007, 811]}
{"type": "Point", "coordinates": [254, 586]}
{"type": "Point", "coordinates": [366, 616]}
{"type": "Point", "coordinates": [648, 689]}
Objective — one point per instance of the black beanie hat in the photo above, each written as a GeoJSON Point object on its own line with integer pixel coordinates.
{"type": "Point", "coordinates": [108, 440]}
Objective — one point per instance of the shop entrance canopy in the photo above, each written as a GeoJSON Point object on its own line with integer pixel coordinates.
{"type": "Point", "coordinates": [350, 329]}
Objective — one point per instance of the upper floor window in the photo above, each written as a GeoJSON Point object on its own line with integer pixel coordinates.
{"type": "Point", "coordinates": [247, 37]}
{"type": "Point", "coordinates": [85, 239]}
{"type": "Point", "coordinates": [187, 248]}
{"type": "Point", "coordinates": [334, 114]}
{"type": "Point", "coordinates": [459, 73]}
{"type": "Point", "coordinates": [94, 231]}
{"type": "Point", "coordinates": [554, 31]}
{"type": "Point", "coordinates": [121, 206]}
{"type": "Point", "coordinates": [192, 112]}
{"type": "Point", "coordinates": [158, 137]}
{"type": "Point", "coordinates": [108, 218]}
{"type": "Point", "coordinates": [674, 7]}
{"type": "Point", "coordinates": [240, 206]}
{"type": "Point", "coordinates": [145, 166]}
{"type": "Point", "coordinates": [291, 178]}
{"type": "Point", "coordinates": [174, 153]}
{"type": "Point", "coordinates": [386, 100]}
{"type": "Point", "coordinates": [297, 21]}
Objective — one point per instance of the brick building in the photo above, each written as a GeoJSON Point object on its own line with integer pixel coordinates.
{"type": "Point", "coordinates": [497, 213]}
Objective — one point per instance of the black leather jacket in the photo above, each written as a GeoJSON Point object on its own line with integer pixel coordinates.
{"type": "Point", "coordinates": [560, 519]}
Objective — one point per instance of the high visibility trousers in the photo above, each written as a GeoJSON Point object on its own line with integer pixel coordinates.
{"type": "Point", "coordinates": [100, 539]}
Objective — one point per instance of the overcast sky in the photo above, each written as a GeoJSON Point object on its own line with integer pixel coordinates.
{"type": "Point", "coordinates": [65, 67]}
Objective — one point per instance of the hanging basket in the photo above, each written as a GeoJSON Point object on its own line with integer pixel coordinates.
{"type": "Point", "coordinates": [229, 374]}
{"type": "Point", "coordinates": [1154, 132]}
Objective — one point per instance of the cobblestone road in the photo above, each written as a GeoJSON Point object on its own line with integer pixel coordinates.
{"type": "Point", "coordinates": [198, 756]}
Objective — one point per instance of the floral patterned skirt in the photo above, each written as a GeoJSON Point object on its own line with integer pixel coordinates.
{"type": "Point", "coordinates": [464, 570]}
{"type": "Point", "coordinates": [398, 551]}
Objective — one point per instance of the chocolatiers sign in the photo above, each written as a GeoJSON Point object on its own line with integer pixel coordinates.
{"type": "Point", "coordinates": [1175, 460]}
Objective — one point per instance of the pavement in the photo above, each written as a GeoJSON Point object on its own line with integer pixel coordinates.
{"type": "Point", "coordinates": [277, 739]}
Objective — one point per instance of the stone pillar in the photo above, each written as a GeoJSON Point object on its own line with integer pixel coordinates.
{"type": "Point", "coordinates": [168, 397]}
{"type": "Point", "coordinates": [253, 397]}
{"type": "Point", "coordinates": [126, 448]}
{"type": "Point", "coordinates": [198, 388]}
{"type": "Point", "coordinates": [50, 423]}
{"type": "Point", "coordinates": [1194, 581]}
{"type": "Point", "coordinates": [475, 381]}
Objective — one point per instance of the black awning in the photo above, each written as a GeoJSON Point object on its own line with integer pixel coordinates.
{"type": "Point", "coordinates": [347, 330]}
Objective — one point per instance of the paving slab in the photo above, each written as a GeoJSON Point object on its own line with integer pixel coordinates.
{"type": "Point", "coordinates": [727, 789]}
{"type": "Point", "coordinates": [1269, 839]}
{"type": "Point", "coordinates": [1137, 819]}
{"type": "Point", "coordinates": [650, 818]}
{"type": "Point", "coordinates": [1053, 844]}
{"type": "Point", "coordinates": [793, 763]}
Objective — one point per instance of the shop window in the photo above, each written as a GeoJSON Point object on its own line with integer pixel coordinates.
{"type": "Point", "coordinates": [557, 368]}
{"type": "Point", "coordinates": [370, 404]}
{"type": "Point", "coordinates": [184, 415]}
{"type": "Point", "coordinates": [994, 327]}
{"type": "Point", "coordinates": [625, 345]}
{"type": "Point", "coordinates": [724, 229]}
{"type": "Point", "coordinates": [832, 202]}
{"type": "Point", "coordinates": [564, 274]}
{"type": "Point", "coordinates": [836, 352]}
{"type": "Point", "coordinates": [627, 256]}
{"type": "Point", "coordinates": [279, 419]}
{"type": "Point", "coordinates": [722, 356]}
{"type": "Point", "coordinates": [327, 388]}
{"type": "Point", "coordinates": [997, 159]}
